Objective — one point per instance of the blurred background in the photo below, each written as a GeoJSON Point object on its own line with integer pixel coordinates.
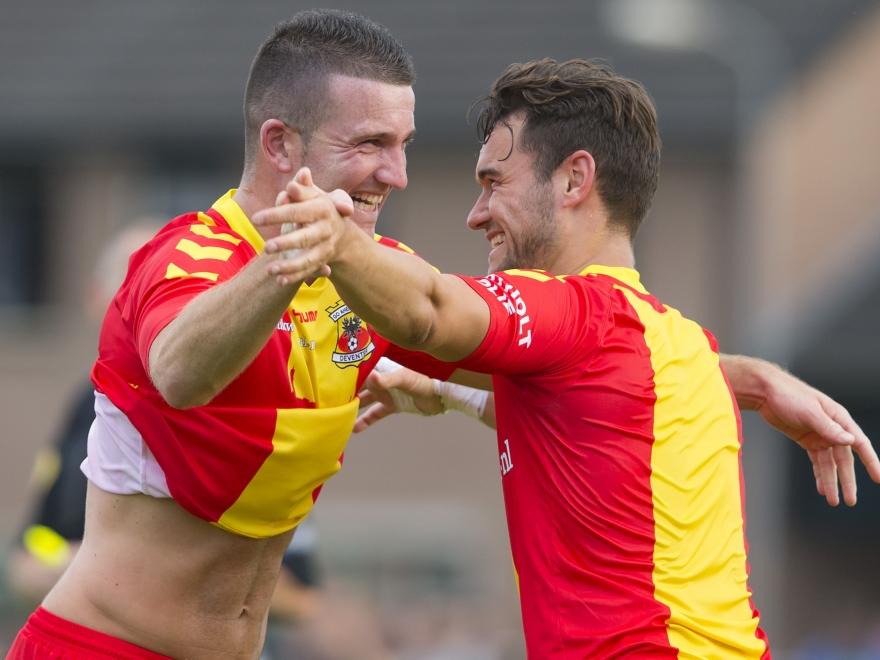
{"type": "Point", "coordinates": [765, 228]}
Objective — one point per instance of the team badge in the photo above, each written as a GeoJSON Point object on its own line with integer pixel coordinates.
{"type": "Point", "coordinates": [354, 344]}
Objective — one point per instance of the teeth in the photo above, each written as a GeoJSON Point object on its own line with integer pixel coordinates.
{"type": "Point", "coordinates": [367, 201]}
{"type": "Point", "coordinates": [497, 240]}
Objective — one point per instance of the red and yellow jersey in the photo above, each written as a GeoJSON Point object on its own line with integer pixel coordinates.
{"type": "Point", "coordinates": [619, 442]}
{"type": "Point", "coordinates": [253, 459]}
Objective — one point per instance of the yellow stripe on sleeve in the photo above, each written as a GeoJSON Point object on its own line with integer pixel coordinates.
{"type": "Point", "coordinates": [174, 271]}
{"type": "Point", "coordinates": [532, 275]}
{"type": "Point", "coordinates": [202, 230]}
{"type": "Point", "coordinates": [199, 252]}
{"type": "Point", "coordinates": [206, 219]}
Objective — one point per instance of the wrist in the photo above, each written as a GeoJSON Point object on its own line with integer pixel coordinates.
{"type": "Point", "coordinates": [351, 241]}
{"type": "Point", "coordinates": [470, 401]}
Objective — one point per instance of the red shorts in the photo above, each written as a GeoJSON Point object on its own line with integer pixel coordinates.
{"type": "Point", "coordinates": [47, 636]}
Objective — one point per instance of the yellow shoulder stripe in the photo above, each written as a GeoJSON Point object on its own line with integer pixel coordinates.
{"type": "Point", "coordinates": [206, 219]}
{"type": "Point", "coordinates": [198, 252]}
{"type": "Point", "coordinates": [202, 230]}
{"type": "Point", "coordinates": [173, 272]}
{"type": "Point", "coordinates": [532, 275]}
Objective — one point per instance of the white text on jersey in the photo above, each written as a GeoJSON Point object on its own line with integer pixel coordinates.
{"type": "Point", "coordinates": [509, 296]}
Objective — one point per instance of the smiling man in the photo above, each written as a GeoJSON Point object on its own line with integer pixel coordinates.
{"type": "Point", "coordinates": [223, 401]}
{"type": "Point", "coordinates": [618, 434]}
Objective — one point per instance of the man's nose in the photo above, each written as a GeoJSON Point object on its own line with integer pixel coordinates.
{"type": "Point", "coordinates": [479, 214]}
{"type": "Point", "coordinates": [392, 171]}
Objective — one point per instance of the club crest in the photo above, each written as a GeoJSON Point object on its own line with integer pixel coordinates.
{"type": "Point", "coordinates": [353, 344]}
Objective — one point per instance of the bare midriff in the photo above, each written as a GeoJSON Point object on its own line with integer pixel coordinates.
{"type": "Point", "coordinates": [151, 574]}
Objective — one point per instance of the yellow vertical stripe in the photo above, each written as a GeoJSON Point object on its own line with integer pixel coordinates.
{"type": "Point", "coordinates": [699, 552]}
{"type": "Point", "coordinates": [306, 448]}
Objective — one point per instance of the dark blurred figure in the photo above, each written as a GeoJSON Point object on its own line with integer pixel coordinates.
{"type": "Point", "coordinates": [54, 528]}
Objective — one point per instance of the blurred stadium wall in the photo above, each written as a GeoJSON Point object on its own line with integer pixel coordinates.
{"type": "Point", "coordinates": [766, 231]}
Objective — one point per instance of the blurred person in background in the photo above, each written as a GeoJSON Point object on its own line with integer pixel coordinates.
{"type": "Point", "coordinates": [53, 532]}
{"type": "Point", "coordinates": [619, 437]}
{"type": "Point", "coordinates": [224, 399]}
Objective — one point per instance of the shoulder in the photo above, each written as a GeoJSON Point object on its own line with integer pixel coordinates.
{"type": "Point", "coordinates": [194, 240]}
{"type": "Point", "coordinates": [393, 243]}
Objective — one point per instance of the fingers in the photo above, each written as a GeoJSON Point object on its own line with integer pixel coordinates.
{"type": "Point", "coordinates": [838, 427]}
{"type": "Point", "coordinates": [301, 213]}
{"type": "Point", "coordinates": [868, 456]}
{"type": "Point", "coordinates": [366, 398]}
{"type": "Point", "coordinates": [304, 236]}
{"type": "Point", "coordinates": [342, 201]}
{"type": "Point", "coordinates": [861, 444]}
{"type": "Point", "coordinates": [814, 461]}
{"type": "Point", "coordinates": [846, 474]}
{"type": "Point", "coordinates": [370, 416]}
{"type": "Point", "coordinates": [828, 476]}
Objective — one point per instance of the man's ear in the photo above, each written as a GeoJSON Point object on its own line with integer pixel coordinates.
{"type": "Point", "coordinates": [281, 145]}
{"type": "Point", "coordinates": [578, 174]}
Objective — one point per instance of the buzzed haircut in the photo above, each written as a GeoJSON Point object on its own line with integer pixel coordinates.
{"type": "Point", "coordinates": [289, 75]}
{"type": "Point", "coordinates": [583, 104]}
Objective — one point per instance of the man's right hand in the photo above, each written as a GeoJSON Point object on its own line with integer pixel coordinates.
{"type": "Point", "coordinates": [321, 220]}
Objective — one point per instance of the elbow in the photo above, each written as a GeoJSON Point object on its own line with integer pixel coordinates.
{"type": "Point", "coordinates": [178, 391]}
{"type": "Point", "coordinates": [418, 332]}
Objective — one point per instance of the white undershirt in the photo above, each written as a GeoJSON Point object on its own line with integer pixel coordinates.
{"type": "Point", "coordinates": [118, 460]}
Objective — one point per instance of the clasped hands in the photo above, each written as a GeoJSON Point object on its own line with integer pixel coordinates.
{"type": "Point", "coordinates": [319, 219]}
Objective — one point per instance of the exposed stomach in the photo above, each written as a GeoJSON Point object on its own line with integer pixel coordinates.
{"type": "Point", "coordinates": [152, 574]}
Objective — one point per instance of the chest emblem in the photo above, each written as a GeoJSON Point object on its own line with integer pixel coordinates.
{"type": "Point", "coordinates": [353, 343]}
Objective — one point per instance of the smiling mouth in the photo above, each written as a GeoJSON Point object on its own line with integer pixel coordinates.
{"type": "Point", "coordinates": [496, 240]}
{"type": "Point", "coordinates": [367, 202]}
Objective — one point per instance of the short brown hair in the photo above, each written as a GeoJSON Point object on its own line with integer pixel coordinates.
{"type": "Point", "coordinates": [288, 77]}
{"type": "Point", "coordinates": [583, 104]}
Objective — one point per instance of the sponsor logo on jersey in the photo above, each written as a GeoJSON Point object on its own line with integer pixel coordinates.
{"type": "Point", "coordinates": [353, 344]}
{"type": "Point", "coordinates": [509, 296]}
{"type": "Point", "coordinates": [308, 316]}
{"type": "Point", "coordinates": [506, 458]}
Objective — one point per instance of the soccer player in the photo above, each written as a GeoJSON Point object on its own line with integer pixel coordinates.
{"type": "Point", "coordinates": [224, 399]}
{"type": "Point", "coordinates": [618, 435]}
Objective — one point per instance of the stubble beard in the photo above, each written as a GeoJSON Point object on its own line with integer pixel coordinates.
{"type": "Point", "coordinates": [539, 237]}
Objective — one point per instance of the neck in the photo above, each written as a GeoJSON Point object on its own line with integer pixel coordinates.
{"type": "Point", "coordinates": [253, 196]}
{"type": "Point", "coordinates": [609, 248]}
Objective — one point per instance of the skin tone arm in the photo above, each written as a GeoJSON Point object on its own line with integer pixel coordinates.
{"type": "Point", "coordinates": [432, 312]}
{"type": "Point", "coordinates": [218, 334]}
{"type": "Point", "coordinates": [820, 425]}
{"type": "Point", "coordinates": [441, 315]}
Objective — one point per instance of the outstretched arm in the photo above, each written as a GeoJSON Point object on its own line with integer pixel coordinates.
{"type": "Point", "coordinates": [406, 300]}
{"type": "Point", "coordinates": [820, 425]}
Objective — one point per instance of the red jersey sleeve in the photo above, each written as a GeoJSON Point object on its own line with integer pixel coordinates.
{"type": "Point", "coordinates": [174, 268]}
{"type": "Point", "coordinates": [538, 322]}
{"type": "Point", "coordinates": [421, 362]}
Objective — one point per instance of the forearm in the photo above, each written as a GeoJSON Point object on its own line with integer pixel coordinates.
{"type": "Point", "coordinates": [399, 294]}
{"type": "Point", "coordinates": [488, 416]}
{"type": "Point", "coordinates": [217, 335]}
{"type": "Point", "coordinates": [748, 378]}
